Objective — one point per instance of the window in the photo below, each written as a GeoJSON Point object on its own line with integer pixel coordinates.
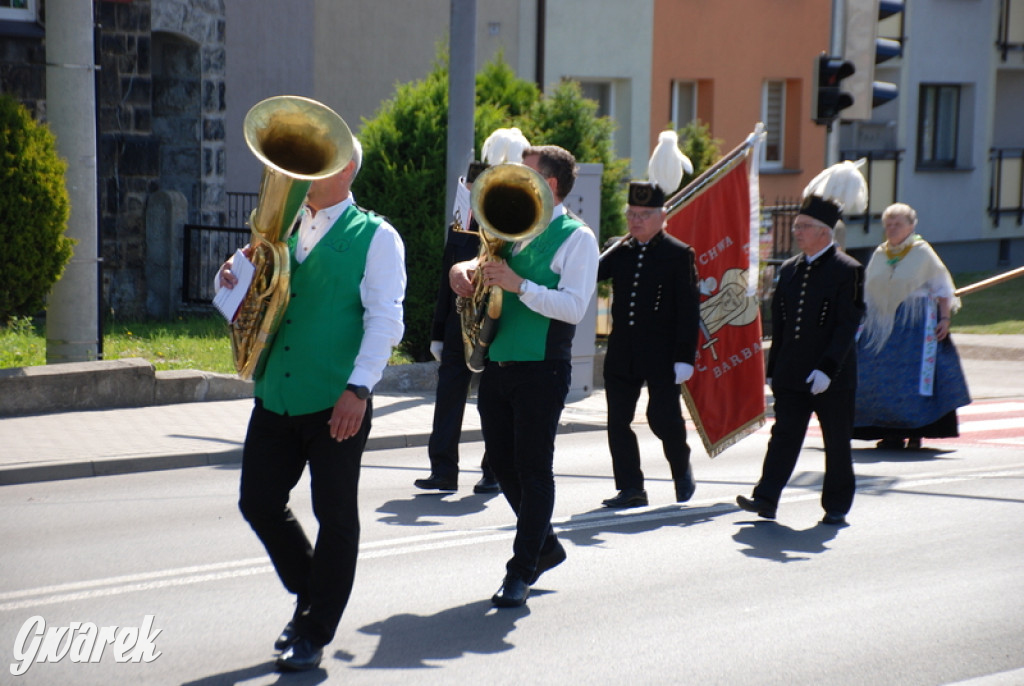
{"type": "Point", "coordinates": [684, 103]}
{"type": "Point", "coordinates": [773, 114]}
{"type": "Point", "coordinates": [939, 119]}
{"type": "Point", "coordinates": [18, 10]}
{"type": "Point", "coordinates": [601, 93]}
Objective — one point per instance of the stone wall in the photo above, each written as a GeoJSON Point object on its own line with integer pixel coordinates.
{"type": "Point", "coordinates": [161, 128]}
{"type": "Point", "coordinates": [160, 111]}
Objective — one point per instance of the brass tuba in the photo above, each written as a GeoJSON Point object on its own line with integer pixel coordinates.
{"type": "Point", "coordinates": [299, 141]}
{"type": "Point", "coordinates": [511, 203]}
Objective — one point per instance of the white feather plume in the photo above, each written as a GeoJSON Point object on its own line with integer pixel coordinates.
{"type": "Point", "coordinates": [504, 145]}
{"type": "Point", "coordinates": [667, 164]}
{"type": "Point", "coordinates": [844, 184]}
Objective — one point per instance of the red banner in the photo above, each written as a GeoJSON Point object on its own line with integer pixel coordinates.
{"type": "Point", "coordinates": [725, 396]}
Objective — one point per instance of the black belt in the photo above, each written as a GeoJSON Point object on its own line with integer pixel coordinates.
{"type": "Point", "coordinates": [520, 363]}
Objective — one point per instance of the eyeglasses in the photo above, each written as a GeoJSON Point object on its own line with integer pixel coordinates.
{"type": "Point", "coordinates": [805, 226]}
{"type": "Point", "coordinates": [645, 215]}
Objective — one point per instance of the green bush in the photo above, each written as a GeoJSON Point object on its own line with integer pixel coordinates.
{"type": "Point", "coordinates": [403, 175]}
{"type": "Point", "coordinates": [696, 142]}
{"type": "Point", "coordinates": [34, 210]}
{"type": "Point", "coordinates": [567, 119]}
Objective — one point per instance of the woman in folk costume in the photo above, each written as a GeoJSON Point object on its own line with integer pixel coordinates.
{"type": "Point", "coordinates": [910, 382]}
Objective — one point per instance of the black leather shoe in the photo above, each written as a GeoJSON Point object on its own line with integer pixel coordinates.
{"type": "Point", "coordinates": [287, 638]}
{"type": "Point", "coordinates": [758, 505]}
{"type": "Point", "coordinates": [553, 558]}
{"type": "Point", "coordinates": [487, 484]}
{"type": "Point", "coordinates": [890, 444]}
{"type": "Point", "coordinates": [834, 518]}
{"type": "Point", "coordinates": [685, 487]}
{"type": "Point", "coordinates": [512, 593]}
{"type": "Point", "coordinates": [436, 483]}
{"type": "Point", "coordinates": [627, 497]}
{"type": "Point", "coordinates": [302, 656]}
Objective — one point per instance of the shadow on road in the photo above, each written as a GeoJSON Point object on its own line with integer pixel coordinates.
{"type": "Point", "coordinates": [316, 676]}
{"type": "Point", "coordinates": [770, 540]}
{"type": "Point", "coordinates": [586, 529]}
{"type": "Point", "coordinates": [431, 509]}
{"type": "Point", "coordinates": [411, 641]}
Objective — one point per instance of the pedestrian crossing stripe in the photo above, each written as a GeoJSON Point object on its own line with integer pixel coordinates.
{"type": "Point", "coordinates": [997, 423]}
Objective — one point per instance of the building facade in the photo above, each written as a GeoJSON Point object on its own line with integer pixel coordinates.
{"type": "Point", "coordinates": [177, 77]}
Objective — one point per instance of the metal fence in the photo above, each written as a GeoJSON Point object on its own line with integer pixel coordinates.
{"type": "Point", "coordinates": [206, 248]}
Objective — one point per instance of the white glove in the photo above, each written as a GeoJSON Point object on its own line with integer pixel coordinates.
{"type": "Point", "coordinates": [435, 349]}
{"type": "Point", "coordinates": [819, 382]}
{"type": "Point", "coordinates": [683, 371]}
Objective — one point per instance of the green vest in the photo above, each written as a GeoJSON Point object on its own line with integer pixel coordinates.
{"type": "Point", "coordinates": [522, 333]}
{"type": "Point", "coordinates": [313, 352]}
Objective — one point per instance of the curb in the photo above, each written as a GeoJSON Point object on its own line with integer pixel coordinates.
{"type": "Point", "coordinates": [60, 471]}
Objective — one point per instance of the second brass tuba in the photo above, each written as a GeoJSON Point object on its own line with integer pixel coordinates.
{"type": "Point", "coordinates": [299, 141]}
{"type": "Point", "coordinates": [511, 203]}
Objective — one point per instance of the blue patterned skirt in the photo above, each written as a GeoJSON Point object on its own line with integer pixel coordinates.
{"type": "Point", "coordinates": [889, 404]}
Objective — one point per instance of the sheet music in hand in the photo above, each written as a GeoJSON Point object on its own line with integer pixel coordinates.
{"type": "Point", "coordinates": [228, 300]}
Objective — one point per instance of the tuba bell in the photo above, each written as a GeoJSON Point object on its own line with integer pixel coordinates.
{"type": "Point", "coordinates": [511, 203]}
{"type": "Point", "coordinates": [299, 141]}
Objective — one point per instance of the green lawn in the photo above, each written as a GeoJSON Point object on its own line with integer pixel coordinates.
{"type": "Point", "coordinates": [998, 309]}
{"type": "Point", "coordinates": [201, 342]}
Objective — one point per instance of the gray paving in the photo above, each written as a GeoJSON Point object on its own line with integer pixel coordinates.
{"type": "Point", "coordinates": [69, 445]}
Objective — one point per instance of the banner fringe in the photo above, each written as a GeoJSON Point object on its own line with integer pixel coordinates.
{"type": "Point", "coordinates": [731, 438]}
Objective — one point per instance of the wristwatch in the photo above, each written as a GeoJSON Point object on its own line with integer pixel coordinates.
{"type": "Point", "coordinates": [362, 392]}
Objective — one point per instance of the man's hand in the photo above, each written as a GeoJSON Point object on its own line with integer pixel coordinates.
{"type": "Point", "coordinates": [347, 416]}
{"type": "Point", "coordinates": [819, 381]}
{"type": "Point", "coordinates": [498, 273]}
{"type": "Point", "coordinates": [225, 278]}
{"type": "Point", "coordinates": [435, 349]}
{"type": "Point", "coordinates": [460, 277]}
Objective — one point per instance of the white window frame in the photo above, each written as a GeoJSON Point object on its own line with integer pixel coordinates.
{"type": "Point", "coordinates": [681, 119]}
{"type": "Point", "coordinates": [778, 137]}
{"type": "Point", "coordinates": [27, 13]}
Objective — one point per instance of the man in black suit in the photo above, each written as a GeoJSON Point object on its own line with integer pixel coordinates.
{"type": "Point", "coordinates": [453, 376]}
{"type": "Point", "coordinates": [656, 315]}
{"type": "Point", "coordinates": [812, 365]}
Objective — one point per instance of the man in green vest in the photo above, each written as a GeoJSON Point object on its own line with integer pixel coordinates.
{"type": "Point", "coordinates": [314, 404]}
{"type": "Point", "coordinates": [548, 282]}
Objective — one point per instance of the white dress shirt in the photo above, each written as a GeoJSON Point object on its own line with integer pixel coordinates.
{"type": "Point", "coordinates": [575, 262]}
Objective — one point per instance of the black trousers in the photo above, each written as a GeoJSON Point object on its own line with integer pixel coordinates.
{"type": "Point", "coordinates": [277, 449]}
{"type": "Point", "coordinates": [453, 379]}
{"type": "Point", "coordinates": [664, 415]}
{"type": "Point", "coordinates": [520, 405]}
{"type": "Point", "coordinates": [834, 409]}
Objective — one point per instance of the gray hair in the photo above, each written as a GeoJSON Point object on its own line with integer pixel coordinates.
{"type": "Point", "coordinates": [900, 209]}
{"type": "Point", "coordinates": [357, 155]}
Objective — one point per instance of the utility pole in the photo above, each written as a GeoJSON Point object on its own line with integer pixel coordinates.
{"type": "Point", "coordinates": [836, 47]}
{"type": "Point", "coordinates": [72, 317]}
{"type": "Point", "coordinates": [461, 94]}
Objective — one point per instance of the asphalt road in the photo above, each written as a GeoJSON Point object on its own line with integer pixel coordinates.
{"type": "Point", "coordinates": [924, 587]}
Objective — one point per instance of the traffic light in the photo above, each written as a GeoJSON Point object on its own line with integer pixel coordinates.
{"type": "Point", "coordinates": [828, 94]}
{"type": "Point", "coordinates": [873, 34]}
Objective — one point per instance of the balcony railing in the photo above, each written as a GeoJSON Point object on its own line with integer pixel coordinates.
{"type": "Point", "coordinates": [882, 173]}
{"type": "Point", "coordinates": [1011, 27]}
{"type": "Point", "coordinates": [1006, 185]}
